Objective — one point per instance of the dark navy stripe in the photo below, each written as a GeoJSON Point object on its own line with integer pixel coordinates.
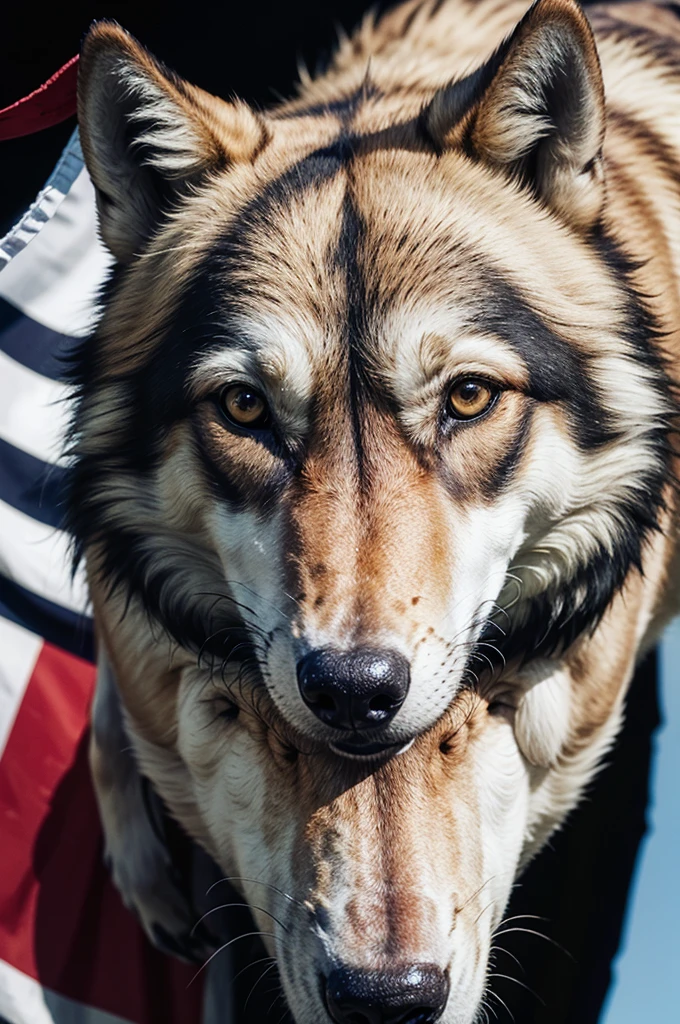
{"type": "Point", "coordinates": [34, 346]}
{"type": "Point", "coordinates": [59, 626]}
{"type": "Point", "coordinates": [32, 486]}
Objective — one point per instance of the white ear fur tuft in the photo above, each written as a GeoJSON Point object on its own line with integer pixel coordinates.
{"type": "Point", "coordinates": [542, 720]}
{"type": "Point", "coordinates": [146, 135]}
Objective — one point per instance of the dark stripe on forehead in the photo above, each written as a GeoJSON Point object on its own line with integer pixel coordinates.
{"type": "Point", "coordinates": [347, 261]}
{"type": "Point", "coordinates": [344, 107]}
{"type": "Point", "coordinates": [312, 171]}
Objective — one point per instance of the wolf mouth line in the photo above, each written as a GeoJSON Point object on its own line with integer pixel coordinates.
{"type": "Point", "coordinates": [373, 471]}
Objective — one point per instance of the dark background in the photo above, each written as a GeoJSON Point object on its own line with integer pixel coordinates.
{"type": "Point", "coordinates": [250, 49]}
{"type": "Point", "coordinates": [578, 885]}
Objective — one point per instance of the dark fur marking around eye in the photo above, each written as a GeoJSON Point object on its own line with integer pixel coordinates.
{"type": "Point", "coordinates": [557, 371]}
{"type": "Point", "coordinates": [503, 471]}
{"type": "Point", "coordinates": [562, 613]}
{"type": "Point", "coordinates": [241, 492]}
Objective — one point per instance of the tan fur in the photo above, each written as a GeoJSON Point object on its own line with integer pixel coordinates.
{"type": "Point", "coordinates": [390, 531]}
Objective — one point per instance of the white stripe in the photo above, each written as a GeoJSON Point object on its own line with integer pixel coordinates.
{"type": "Point", "coordinates": [19, 650]}
{"type": "Point", "coordinates": [34, 411]}
{"type": "Point", "coordinates": [24, 1001]}
{"type": "Point", "coordinates": [38, 557]}
{"type": "Point", "coordinates": [55, 279]}
{"type": "Point", "coordinates": [46, 204]}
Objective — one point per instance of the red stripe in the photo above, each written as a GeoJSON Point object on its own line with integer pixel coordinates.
{"type": "Point", "coordinates": [61, 920]}
{"type": "Point", "coordinates": [52, 102]}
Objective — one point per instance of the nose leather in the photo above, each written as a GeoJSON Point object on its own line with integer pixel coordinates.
{"type": "Point", "coordinates": [411, 994]}
{"type": "Point", "coordinates": [354, 690]}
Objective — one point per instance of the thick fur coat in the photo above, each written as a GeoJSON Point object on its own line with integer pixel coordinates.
{"type": "Point", "coordinates": [391, 367]}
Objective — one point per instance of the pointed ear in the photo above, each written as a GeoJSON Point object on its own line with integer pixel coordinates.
{"type": "Point", "coordinates": [536, 110]}
{"type": "Point", "coordinates": [147, 135]}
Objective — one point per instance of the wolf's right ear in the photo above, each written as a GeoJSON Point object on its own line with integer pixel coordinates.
{"type": "Point", "coordinates": [147, 135]}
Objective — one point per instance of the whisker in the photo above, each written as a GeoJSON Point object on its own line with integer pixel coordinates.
{"type": "Point", "coordinates": [254, 963]}
{"type": "Point", "coordinates": [245, 935]}
{"type": "Point", "coordinates": [256, 881]}
{"type": "Point", "coordinates": [482, 1016]}
{"type": "Point", "coordinates": [522, 917]}
{"type": "Point", "coordinates": [508, 977]}
{"type": "Point", "coordinates": [248, 906]}
{"type": "Point", "coordinates": [503, 1004]}
{"type": "Point", "coordinates": [481, 914]}
{"type": "Point", "coordinates": [538, 935]}
{"type": "Point", "coordinates": [258, 982]}
{"type": "Point", "coordinates": [477, 892]}
{"type": "Point", "coordinates": [285, 1012]}
{"type": "Point", "coordinates": [278, 996]}
{"type": "Point", "coordinates": [489, 1009]}
{"type": "Point", "coordinates": [502, 949]}
{"type": "Point", "coordinates": [238, 583]}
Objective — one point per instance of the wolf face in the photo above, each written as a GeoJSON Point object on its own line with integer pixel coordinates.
{"type": "Point", "coordinates": [372, 440]}
{"type": "Point", "coordinates": [372, 401]}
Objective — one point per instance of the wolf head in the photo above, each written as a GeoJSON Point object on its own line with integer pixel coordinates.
{"type": "Point", "coordinates": [372, 407]}
{"type": "Point", "coordinates": [373, 411]}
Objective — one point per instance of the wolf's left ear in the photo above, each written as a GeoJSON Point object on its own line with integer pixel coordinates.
{"type": "Point", "coordinates": [535, 110]}
{"type": "Point", "coordinates": [147, 135]}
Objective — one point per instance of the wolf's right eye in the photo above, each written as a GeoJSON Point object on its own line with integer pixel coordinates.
{"type": "Point", "coordinates": [244, 406]}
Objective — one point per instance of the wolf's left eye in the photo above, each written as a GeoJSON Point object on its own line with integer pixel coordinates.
{"type": "Point", "coordinates": [470, 397]}
{"type": "Point", "coordinates": [244, 406]}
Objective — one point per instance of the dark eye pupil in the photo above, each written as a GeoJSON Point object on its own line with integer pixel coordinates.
{"type": "Point", "coordinates": [246, 400]}
{"type": "Point", "coordinates": [469, 392]}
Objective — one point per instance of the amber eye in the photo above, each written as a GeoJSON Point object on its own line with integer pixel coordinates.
{"type": "Point", "coordinates": [244, 406]}
{"type": "Point", "coordinates": [470, 397]}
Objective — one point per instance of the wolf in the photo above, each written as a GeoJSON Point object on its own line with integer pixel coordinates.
{"type": "Point", "coordinates": [373, 468]}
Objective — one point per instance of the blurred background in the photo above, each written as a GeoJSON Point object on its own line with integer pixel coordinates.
{"type": "Point", "coordinates": [601, 886]}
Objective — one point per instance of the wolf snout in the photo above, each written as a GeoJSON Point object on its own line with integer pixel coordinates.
{"type": "Point", "coordinates": [413, 994]}
{"type": "Point", "coordinates": [354, 690]}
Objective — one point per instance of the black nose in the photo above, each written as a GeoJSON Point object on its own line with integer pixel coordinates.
{"type": "Point", "coordinates": [414, 994]}
{"type": "Point", "coordinates": [354, 690]}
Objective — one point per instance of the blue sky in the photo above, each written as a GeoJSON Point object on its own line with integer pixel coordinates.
{"type": "Point", "coordinates": [647, 986]}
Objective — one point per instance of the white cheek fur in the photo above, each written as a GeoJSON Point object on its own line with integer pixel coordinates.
{"type": "Point", "coordinates": [543, 716]}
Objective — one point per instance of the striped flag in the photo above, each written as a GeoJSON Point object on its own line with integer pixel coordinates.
{"type": "Point", "coordinates": [70, 953]}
